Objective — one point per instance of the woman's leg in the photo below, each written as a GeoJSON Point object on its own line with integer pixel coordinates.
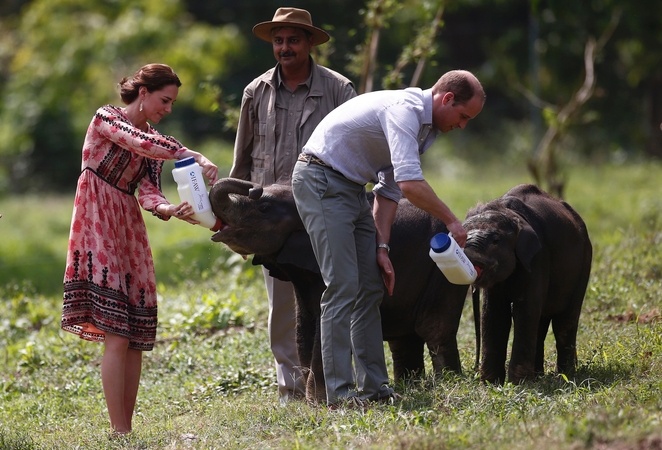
{"type": "Point", "coordinates": [113, 375]}
{"type": "Point", "coordinates": [134, 359]}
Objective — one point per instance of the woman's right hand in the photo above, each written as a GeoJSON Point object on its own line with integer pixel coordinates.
{"type": "Point", "coordinates": [183, 211]}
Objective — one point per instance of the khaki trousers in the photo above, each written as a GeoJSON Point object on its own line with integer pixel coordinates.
{"type": "Point", "coordinates": [282, 336]}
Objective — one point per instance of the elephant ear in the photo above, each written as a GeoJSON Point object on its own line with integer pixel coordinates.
{"type": "Point", "coordinates": [298, 251]}
{"type": "Point", "coordinates": [528, 242]}
{"type": "Point", "coordinates": [271, 266]}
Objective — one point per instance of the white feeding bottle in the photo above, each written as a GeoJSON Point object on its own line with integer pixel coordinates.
{"type": "Point", "coordinates": [191, 188]}
{"type": "Point", "coordinates": [451, 260]}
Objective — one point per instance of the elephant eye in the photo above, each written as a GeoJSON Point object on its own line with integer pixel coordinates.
{"type": "Point", "coordinates": [495, 239]}
{"type": "Point", "coordinates": [263, 207]}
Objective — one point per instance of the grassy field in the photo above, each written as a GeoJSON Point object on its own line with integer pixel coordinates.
{"type": "Point", "coordinates": [209, 383]}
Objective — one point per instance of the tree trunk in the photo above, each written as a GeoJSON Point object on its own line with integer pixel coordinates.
{"type": "Point", "coordinates": [654, 113]}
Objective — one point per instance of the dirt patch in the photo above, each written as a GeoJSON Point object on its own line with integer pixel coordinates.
{"type": "Point", "coordinates": [633, 317]}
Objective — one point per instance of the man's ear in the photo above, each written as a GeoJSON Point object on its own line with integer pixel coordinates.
{"type": "Point", "coordinates": [448, 97]}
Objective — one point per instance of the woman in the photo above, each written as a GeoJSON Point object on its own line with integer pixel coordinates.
{"type": "Point", "coordinates": [109, 282]}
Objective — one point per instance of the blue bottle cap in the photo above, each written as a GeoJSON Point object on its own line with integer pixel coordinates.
{"type": "Point", "coordinates": [440, 242]}
{"type": "Point", "coordinates": [184, 162]}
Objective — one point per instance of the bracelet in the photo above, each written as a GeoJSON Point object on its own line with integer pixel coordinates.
{"type": "Point", "coordinates": [388, 249]}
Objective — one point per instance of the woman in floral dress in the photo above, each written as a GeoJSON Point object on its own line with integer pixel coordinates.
{"type": "Point", "coordinates": [109, 282]}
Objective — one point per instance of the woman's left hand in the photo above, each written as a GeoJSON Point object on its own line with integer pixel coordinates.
{"type": "Point", "coordinates": [209, 169]}
{"type": "Point", "coordinates": [183, 211]}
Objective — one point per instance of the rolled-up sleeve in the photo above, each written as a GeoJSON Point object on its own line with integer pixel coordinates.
{"type": "Point", "coordinates": [387, 187]}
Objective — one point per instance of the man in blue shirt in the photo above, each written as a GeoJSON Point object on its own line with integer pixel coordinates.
{"type": "Point", "coordinates": [376, 137]}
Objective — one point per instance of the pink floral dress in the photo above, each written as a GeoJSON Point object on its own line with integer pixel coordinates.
{"type": "Point", "coordinates": [109, 282]}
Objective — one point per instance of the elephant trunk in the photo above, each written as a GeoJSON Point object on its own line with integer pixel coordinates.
{"type": "Point", "coordinates": [219, 194]}
{"type": "Point", "coordinates": [478, 251]}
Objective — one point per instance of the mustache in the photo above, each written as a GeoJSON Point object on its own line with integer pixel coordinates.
{"type": "Point", "coordinates": [288, 53]}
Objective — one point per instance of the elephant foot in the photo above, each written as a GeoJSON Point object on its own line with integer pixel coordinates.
{"type": "Point", "coordinates": [495, 378]}
{"type": "Point", "coordinates": [407, 375]}
{"type": "Point", "coordinates": [315, 392]}
{"type": "Point", "coordinates": [567, 362]}
{"type": "Point", "coordinates": [520, 374]}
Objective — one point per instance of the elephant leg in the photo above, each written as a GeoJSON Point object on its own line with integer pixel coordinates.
{"type": "Point", "coordinates": [310, 353]}
{"type": "Point", "coordinates": [308, 339]}
{"type": "Point", "coordinates": [565, 326]}
{"type": "Point", "coordinates": [440, 325]}
{"type": "Point", "coordinates": [305, 336]}
{"type": "Point", "coordinates": [526, 318]}
{"type": "Point", "coordinates": [445, 357]}
{"type": "Point", "coordinates": [315, 385]}
{"type": "Point", "coordinates": [407, 355]}
{"type": "Point", "coordinates": [543, 327]}
{"type": "Point", "coordinates": [565, 333]}
{"type": "Point", "coordinates": [495, 326]}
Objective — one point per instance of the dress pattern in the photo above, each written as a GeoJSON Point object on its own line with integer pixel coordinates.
{"type": "Point", "coordinates": [109, 281]}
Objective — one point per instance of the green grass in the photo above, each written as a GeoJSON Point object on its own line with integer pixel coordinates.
{"type": "Point", "coordinates": [209, 383]}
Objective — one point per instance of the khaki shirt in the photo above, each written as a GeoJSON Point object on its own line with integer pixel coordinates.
{"type": "Point", "coordinates": [257, 146]}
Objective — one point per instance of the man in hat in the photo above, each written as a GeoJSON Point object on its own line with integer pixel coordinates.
{"type": "Point", "coordinates": [279, 111]}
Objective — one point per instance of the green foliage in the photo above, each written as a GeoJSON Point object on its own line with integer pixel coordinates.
{"type": "Point", "coordinates": [59, 61]}
{"type": "Point", "coordinates": [16, 441]}
{"type": "Point", "coordinates": [544, 58]}
{"type": "Point", "coordinates": [69, 54]}
{"type": "Point", "coordinates": [210, 383]}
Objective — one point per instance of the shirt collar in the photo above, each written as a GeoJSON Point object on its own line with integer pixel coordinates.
{"type": "Point", "coordinates": [279, 78]}
{"type": "Point", "coordinates": [427, 107]}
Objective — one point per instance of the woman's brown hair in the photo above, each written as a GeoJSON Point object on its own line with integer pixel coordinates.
{"type": "Point", "coordinates": [153, 76]}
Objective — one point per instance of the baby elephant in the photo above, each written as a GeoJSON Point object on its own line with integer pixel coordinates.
{"type": "Point", "coordinates": [535, 256]}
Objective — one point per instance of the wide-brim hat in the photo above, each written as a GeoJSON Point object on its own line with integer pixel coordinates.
{"type": "Point", "coordinates": [291, 17]}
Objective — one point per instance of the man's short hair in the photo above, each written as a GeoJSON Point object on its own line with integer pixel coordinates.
{"type": "Point", "coordinates": [463, 84]}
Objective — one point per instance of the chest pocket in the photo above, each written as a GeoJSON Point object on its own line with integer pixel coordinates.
{"type": "Point", "coordinates": [259, 153]}
{"type": "Point", "coordinates": [260, 129]}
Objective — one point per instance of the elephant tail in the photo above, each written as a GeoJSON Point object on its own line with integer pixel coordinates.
{"type": "Point", "coordinates": [475, 298]}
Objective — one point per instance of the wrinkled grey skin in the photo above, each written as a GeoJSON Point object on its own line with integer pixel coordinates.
{"type": "Point", "coordinates": [424, 309]}
{"type": "Point", "coordinates": [535, 255]}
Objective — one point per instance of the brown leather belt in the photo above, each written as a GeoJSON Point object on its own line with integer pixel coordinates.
{"type": "Point", "coordinates": [311, 159]}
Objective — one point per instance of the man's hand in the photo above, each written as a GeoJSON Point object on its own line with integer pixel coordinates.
{"type": "Point", "coordinates": [388, 275]}
{"type": "Point", "coordinates": [421, 195]}
{"type": "Point", "coordinates": [458, 232]}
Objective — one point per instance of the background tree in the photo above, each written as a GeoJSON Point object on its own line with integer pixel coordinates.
{"type": "Point", "coordinates": [544, 164]}
{"type": "Point", "coordinates": [60, 58]}
{"type": "Point", "coordinates": [69, 54]}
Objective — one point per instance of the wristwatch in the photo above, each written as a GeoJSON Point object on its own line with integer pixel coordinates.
{"type": "Point", "coordinates": [388, 249]}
